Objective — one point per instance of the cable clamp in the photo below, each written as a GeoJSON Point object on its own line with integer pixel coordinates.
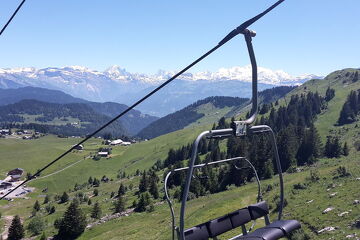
{"type": "Point", "coordinates": [239, 128]}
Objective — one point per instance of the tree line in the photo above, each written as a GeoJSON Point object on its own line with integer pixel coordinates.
{"type": "Point", "coordinates": [298, 142]}
{"type": "Point", "coordinates": [350, 109]}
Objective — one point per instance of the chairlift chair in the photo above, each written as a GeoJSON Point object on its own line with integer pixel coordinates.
{"type": "Point", "coordinates": [238, 218]}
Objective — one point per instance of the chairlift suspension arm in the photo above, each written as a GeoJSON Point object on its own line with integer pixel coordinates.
{"type": "Point", "coordinates": [239, 128]}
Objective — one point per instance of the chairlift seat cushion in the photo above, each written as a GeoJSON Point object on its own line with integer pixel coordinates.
{"type": "Point", "coordinates": [247, 237]}
{"type": "Point", "coordinates": [258, 210]}
{"type": "Point", "coordinates": [240, 217]}
{"type": "Point", "coordinates": [265, 234]}
{"type": "Point", "coordinates": [199, 232]}
{"type": "Point", "coordinates": [219, 226]}
{"type": "Point", "coordinates": [287, 226]}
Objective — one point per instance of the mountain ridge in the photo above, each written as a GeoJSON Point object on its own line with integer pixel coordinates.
{"type": "Point", "coordinates": [133, 121]}
{"type": "Point", "coordinates": [117, 85]}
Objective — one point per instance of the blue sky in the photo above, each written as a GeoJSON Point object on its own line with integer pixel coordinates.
{"type": "Point", "coordinates": [300, 36]}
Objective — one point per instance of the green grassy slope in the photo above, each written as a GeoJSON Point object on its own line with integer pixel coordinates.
{"type": "Point", "coordinates": [156, 225]}
{"type": "Point", "coordinates": [33, 154]}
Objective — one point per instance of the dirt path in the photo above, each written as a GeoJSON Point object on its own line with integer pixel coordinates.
{"type": "Point", "coordinates": [8, 220]}
{"type": "Point", "coordinates": [51, 174]}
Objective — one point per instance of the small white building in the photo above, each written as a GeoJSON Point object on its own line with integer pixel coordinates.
{"type": "Point", "coordinates": [103, 154]}
{"type": "Point", "coordinates": [4, 131]}
{"type": "Point", "coordinates": [5, 185]}
{"type": "Point", "coordinates": [116, 142]}
{"type": "Point", "coordinates": [79, 147]}
{"type": "Point", "coordinates": [125, 143]}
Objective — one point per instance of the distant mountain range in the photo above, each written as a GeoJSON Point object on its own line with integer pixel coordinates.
{"type": "Point", "coordinates": [117, 85]}
{"type": "Point", "coordinates": [131, 123]}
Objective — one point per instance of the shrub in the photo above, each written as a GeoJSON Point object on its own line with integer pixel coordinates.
{"type": "Point", "coordinates": [357, 145]}
{"type": "Point", "coordinates": [43, 236]}
{"type": "Point", "coordinates": [96, 192]}
{"type": "Point", "coordinates": [314, 175]}
{"type": "Point", "coordinates": [151, 208]}
{"type": "Point", "coordinates": [269, 187]}
{"type": "Point", "coordinates": [36, 225]}
{"type": "Point", "coordinates": [342, 172]}
{"type": "Point", "coordinates": [299, 186]}
{"type": "Point", "coordinates": [299, 235]}
{"type": "Point", "coordinates": [292, 169]}
{"type": "Point", "coordinates": [276, 199]}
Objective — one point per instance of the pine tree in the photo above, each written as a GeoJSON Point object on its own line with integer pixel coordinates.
{"type": "Point", "coordinates": [264, 109]}
{"type": "Point", "coordinates": [121, 190]}
{"type": "Point", "coordinates": [356, 77]}
{"type": "Point", "coordinates": [96, 182]}
{"type": "Point", "coordinates": [287, 144]}
{"type": "Point", "coordinates": [36, 206]}
{"type": "Point", "coordinates": [144, 201]}
{"type": "Point", "coordinates": [353, 100]}
{"type": "Point", "coordinates": [336, 147]}
{"type": "Point", "coordinates": [120, 204]}
{"type": "Point", "coordinates": [345, 149]}
{"type": "Point", "coordinates": [222, 123]}
{"type": "Point", "coordinates": [16, 230]}
{"type": "Point", "coordinates": [330, 94]}
{"type": "Point", "coordinates": [315, 141]}
{"type": "Point", "coordinates": [153, 189]}
{"type": "Point", "coordinates": [328, 147]}
{"type": "Point", "coordinates": [171, 158]}
{"type": "Point", "coordinates": [46, 199]}
{"type": "Point", "coordinates": [52, 210]}
{"type": "Point", "coordinates": [64, 198]}
{"type": "Point", "coordinates": [73, 222]}
{"type": "Point", "coordinates": [333, 147]}
{"type": "Point", "coordinates": [90, 181]}
{"type": "Point", "coordinates": [96, 211]}
{"type": "Point", "coordinates": [143, 185]}
{"type": "Point", "coordinates": [310, 148]}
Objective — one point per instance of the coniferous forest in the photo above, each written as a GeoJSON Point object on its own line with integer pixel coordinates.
{"type": "Point", "coordinates": [298, 142]}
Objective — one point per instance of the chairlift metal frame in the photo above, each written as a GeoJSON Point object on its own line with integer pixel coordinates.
{"type": "Point", "coordinates": [238, 129]}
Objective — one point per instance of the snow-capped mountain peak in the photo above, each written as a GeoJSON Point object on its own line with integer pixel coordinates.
{"type": "Point", "coordinates": [117, 73]}
{"type": "Point", "coordinates": [117, 84]}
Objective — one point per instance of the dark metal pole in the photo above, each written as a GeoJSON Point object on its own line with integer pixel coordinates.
{"type": "Point", "coordinates": [265, 129]}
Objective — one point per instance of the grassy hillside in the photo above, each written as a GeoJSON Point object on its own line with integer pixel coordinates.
{"type": "Point", "coordinates": [133, 122]}
{"type": "Point", "coordinates": [306, 204]}
{"type": "Point", "coordinates": [56, 118]}
{"type": "Point", "coordinates": [204, 111]}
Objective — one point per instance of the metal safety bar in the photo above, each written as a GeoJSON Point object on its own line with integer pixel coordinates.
{"type": "Point", "coordinates": [266, 129]}
{"type": "Point", "coordinates": [255, 130]}
{"type": "Point", "coordinates": [168, 199]}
